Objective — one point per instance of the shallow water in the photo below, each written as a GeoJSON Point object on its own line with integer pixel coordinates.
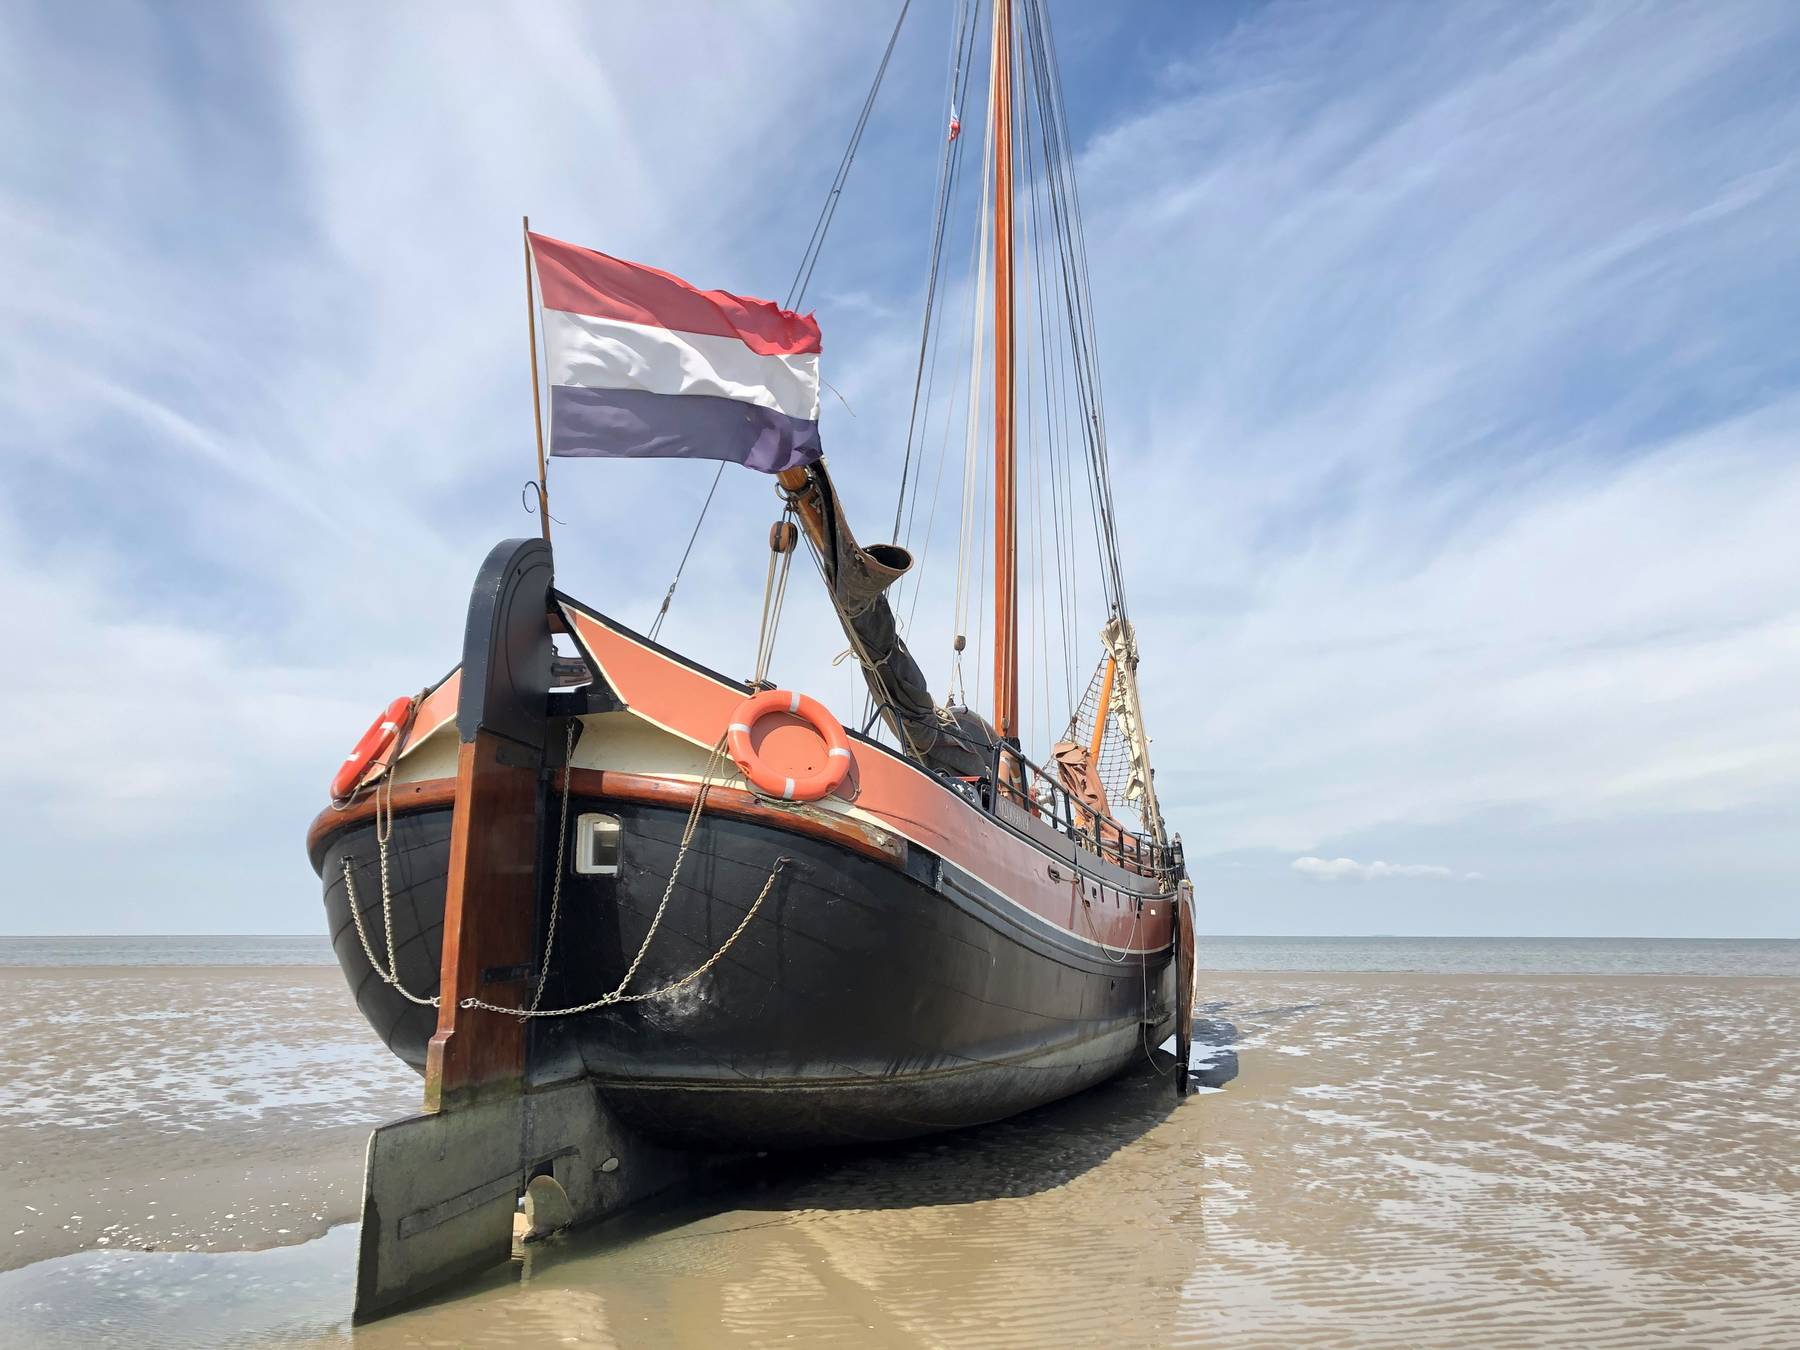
{"type": "Point", "coordinates": [307, 949]}
{"type": "Point", "coordinates": [1386, 1159]}
{"type": "Point", "coordinates": [180, 1051]}
{"type": "Point", "coordinates": [183, 1106]}
{"type": "Point", "coordinates": [1500, 955]}
{"type": "Point", "coordinates": [151, 1300]}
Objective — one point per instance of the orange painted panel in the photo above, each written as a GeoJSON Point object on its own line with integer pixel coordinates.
{"type": "Point", "coordinates": [900, 796]}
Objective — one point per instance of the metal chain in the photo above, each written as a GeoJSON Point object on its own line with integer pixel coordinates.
{"type": "Point", "coordinates": [713, 960]}
{"type": "Point", "coordinates": [1144, 1017]}
{"type": "Point", "coordinates": [384, 831]}
{"type": "Point", "coordinates": [390, 975]}
{"type": "Point", "coordinates": [1143, 956]}
{"type": "Point", "coordinates": [687, 838]}
{"type": "Point", "coordinates": [617, 994]}
{"type": "Point", "coordinates": [562, 838]}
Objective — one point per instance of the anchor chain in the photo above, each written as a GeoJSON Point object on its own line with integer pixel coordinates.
{"type": "Point", "coordinates": [384, 824]}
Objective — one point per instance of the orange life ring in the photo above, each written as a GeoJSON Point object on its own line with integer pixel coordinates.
{"type": "Point", "coordinates": [809, 710]}
{"type": "Point", "coordinates": [375, 740]}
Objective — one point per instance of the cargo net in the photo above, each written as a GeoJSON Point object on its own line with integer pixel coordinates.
{"type": "Point", "coordinates": [1113, 767]}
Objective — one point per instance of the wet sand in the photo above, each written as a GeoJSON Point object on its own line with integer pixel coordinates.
{"type": "Point", "coordinates": [1381, 1160]}
{"type": "Point", "coordinates": [183, 1108]}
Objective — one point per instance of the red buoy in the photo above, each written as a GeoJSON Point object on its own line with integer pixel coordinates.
{"type": "Point", "coordinates": [810, 787]}
{"type": "Point", "coordinates": [373, 744]}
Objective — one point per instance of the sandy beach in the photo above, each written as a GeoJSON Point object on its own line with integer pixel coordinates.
{"type": "Point", "coordinates": [1378, 1159]}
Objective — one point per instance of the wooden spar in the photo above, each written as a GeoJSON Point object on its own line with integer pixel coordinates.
{"type": "Point", "coordinates": [806, 488]}
{"type": "Point", "coordinates": [1106, 684]}
{"type": "Point", "coordinates": [537, 397]}
{"type": "Point", "coordinates": [1006, 554]}
{"type": "Point", "coordinates": [808, 500]}
{"type": "Point", "coordinates": [809, 493]}
{"type": "Point", "coordinates": [795, 481]}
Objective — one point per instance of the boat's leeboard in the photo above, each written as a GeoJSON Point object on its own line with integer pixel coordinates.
{"type": "Point", "coordinates": [440, 1190]}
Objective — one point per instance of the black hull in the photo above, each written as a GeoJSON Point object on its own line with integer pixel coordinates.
{"type": "Point", "coordinates": [865, 1002]}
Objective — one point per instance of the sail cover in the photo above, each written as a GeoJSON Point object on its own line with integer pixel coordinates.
{"type": "Point", "coordinates": [643, 365]}
{"type": "Point", "coordinates": [955, 741]}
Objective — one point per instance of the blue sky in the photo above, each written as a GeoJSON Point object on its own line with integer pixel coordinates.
{"type": "Point", "coordinates": [1449, 364]}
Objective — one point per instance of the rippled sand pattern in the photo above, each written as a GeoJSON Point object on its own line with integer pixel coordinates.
{"type": "Point", "coordinates": [1504, 1161]}
{"type": "Point", "coordinates": [1400, 1160]}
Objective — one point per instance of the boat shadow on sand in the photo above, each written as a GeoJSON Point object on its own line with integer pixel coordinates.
{"type": "Point", "coordinates": [1025, 1155]}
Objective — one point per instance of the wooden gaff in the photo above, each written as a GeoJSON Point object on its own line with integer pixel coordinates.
{"type": "Point", "coordinates": [1106, 684]}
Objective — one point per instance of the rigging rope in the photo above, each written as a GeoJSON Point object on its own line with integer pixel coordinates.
{"type": "Point", "coordinates": [948, 161]}
{"type": "Point", "coordinates": [617, 994]}
{"type": "Point", "coordinates": [1066, 204]}
{"type": "Point", "coordinates": [809, 259]}
{"type": "Point", "coordinates": [1054, 392]}
{"type": "Point", "coordinates": [971, 327]}
{"type": "Point", "coordinates": [972, 456]}
{"type": "Point", "coordinates": [1061, 386]}
{"type": "Point", "coordinates": [669, 595]}
{"type": "Point", "coordinates": [774, 594]}
{"type": "Point", "coordinates": [815, 244]}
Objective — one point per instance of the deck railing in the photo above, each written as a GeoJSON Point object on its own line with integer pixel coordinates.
{"type": "Point", "coordinates": [1011, 777]}
{"type": "Point", "coordinates": [1016, 779]}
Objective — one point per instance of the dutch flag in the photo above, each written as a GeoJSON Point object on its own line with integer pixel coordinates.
{"type": "Point", "coordinates": [641, 364]}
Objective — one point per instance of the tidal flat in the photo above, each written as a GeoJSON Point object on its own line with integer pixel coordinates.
{"type": "Point", "coordinates": [1397, 1158]}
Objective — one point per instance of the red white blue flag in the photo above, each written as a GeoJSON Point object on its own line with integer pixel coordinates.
{"type": "Point", "coordinates": [643, 365]}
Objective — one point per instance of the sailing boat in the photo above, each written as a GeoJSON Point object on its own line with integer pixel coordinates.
{"type": "Point", "coordinates": [742, 923]}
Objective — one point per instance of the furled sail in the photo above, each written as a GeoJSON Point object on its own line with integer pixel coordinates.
{"type": "Point", "coordinates": [1140, 786]}
{"type": "Point", "coordinates": [955, 741]}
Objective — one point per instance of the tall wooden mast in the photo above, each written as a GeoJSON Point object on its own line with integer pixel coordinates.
{"type": "Point", "coordinates": [1006, 553]}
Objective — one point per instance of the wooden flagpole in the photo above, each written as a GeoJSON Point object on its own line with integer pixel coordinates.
{"type": "Point", "coordinates": [537, 397]}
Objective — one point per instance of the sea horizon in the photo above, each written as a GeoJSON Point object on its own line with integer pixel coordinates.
{"type": "Point", "coordinates": [1232, 937]}
{"type": "Point", "coordinates": [1488, 954]}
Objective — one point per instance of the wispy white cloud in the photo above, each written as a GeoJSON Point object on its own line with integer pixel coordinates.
{"type": "Point", "coordinates": [1349, 869]}
{"type": "Point", "coordinates": [1461, 447]}
{"type": "Point", "coordinates": [1447, 365]}
{"type": "Point", "coordinates": [267, 392]}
